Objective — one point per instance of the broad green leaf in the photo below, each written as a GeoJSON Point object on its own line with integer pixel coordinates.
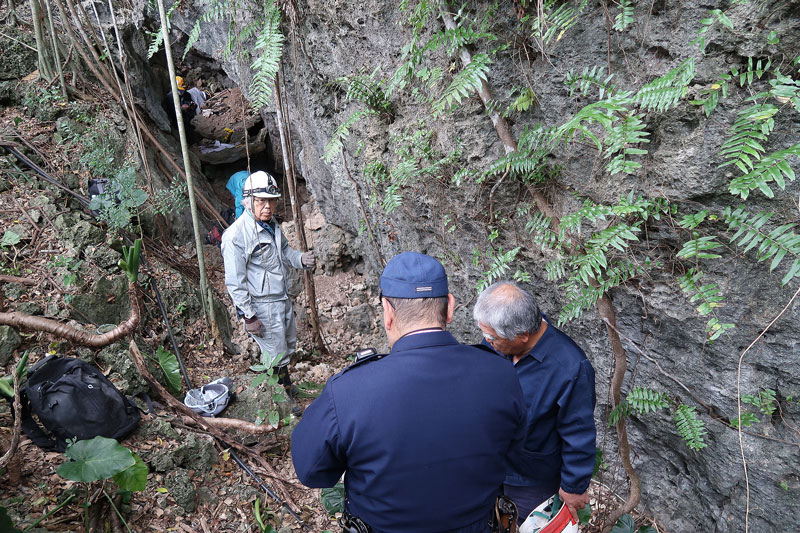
{"type": "Point", "coordinates": [10, 238]}
{"type": "Point", "coordinates": [625, 524]}
{"type": "Point", "coordinates": [95, 459]}
{"type": "Point", "coordinates": [258, 380]}
{"type": "Point", "coordinates": [133, 478]}
{"type": "Point", "coordinates": [332, 499]}
{"type": "Point", "coordinates": [585, 514]}
{"type": "Point", "coordinates": [5, 522]}
{"type": "Point", "coordinates": [169, 366]}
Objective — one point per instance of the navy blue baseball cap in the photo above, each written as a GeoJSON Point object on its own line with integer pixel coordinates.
{"type": "Point", "coordinates": [413, 275]}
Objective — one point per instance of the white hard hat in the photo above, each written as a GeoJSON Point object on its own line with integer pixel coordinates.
{"type": "Point", "coordinates": [261, 185]}
{"type": "Point", "coordinates": [552, 516]}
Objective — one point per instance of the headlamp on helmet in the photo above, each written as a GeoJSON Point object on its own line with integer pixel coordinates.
{"type": "Point", "coordinates": [261, 185]}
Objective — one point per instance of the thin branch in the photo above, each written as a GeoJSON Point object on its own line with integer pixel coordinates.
{"type": "Point", "coordinates": [739, 407]}
{"type": "Point", "coordinates": [363, 209]}
{"type": "Point", "coordinates": [12, 449]}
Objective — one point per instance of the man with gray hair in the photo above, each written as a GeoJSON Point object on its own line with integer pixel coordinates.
{"type": "Point", "coordinates": [256, 256]}
{"type": "Point", "coordinates": [558, 453]}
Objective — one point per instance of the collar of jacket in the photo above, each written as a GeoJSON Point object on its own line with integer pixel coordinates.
{"type": "Point", "coordinates": [424, 340]}
{"type": "Point", "coordinates": [539, 350]}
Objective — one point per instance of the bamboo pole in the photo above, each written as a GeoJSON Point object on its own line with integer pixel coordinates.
{"type": "Point", "coordinates": [288, 167]}
{"type": "Point", "coordinates": [205, 291]}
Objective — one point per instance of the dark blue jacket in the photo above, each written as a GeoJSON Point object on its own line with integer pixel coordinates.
{"type": "Point", "coordinates": [421, 434]}
{"type": "Point", "coordinates": [559, 447]}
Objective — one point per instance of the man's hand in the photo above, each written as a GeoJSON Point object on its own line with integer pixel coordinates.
{"type": "Point", "coordinates": [573, 501]}
{"type": "Point", "coordinates": [308, 260]}
{"type": "Point", "coordinates": [254, 326]}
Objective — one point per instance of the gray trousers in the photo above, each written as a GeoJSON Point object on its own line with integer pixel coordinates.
{"type": "Point", "coordinates": [279, 338]}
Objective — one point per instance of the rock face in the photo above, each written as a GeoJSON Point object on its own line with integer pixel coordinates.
{"type": "Point", "coordinates": [445, 213]}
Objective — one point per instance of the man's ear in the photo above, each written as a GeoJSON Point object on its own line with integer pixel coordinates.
{"type": "Point", "coordinates": [451, 307]}
{"type": "Point", "coordinates": [388, 314]}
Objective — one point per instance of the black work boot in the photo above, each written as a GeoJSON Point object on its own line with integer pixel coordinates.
{"type": "Point", "coordinates": [291, 390]}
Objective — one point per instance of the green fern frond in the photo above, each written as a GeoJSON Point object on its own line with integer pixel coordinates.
{"type": "Point", "coordinates": [538, 226]}
{"type": "Point", "coordinates": [453, 39]}
{"type": "Point", "coordinates": [392, 199]}
{"type": "Point", "coordinates": [578, 298]}
{"type": "Point", "coordinates": [751, 128]}
{"type": "Point", "coordinates": [709, 299]}
{"type": "Point", "coordinates": [690, 428]}
{"type": "Point", "coordinates": [590, 212]}
{"type": "Point", "coordinates": [715, 15]}
{"type": "Point", "coordinates": [194, 36]}
{"type": "Point", "coordinates": [775, 244]}
{"type": "Point", "coordinates": [625, 16]}
{"type": "Point", "coordinates": [335, 144]}
{"type": "Point", "coordinates": [785, 88]}
{"type": "Point", "coordinates": [709, 97]}
{"type": "Point", "coordinates": [523, 102]}
{"type": "Point", "coordinates": [643, 400]}
{"type": "Point", "coordinates": [772, 168]}
{"type": "Point", "coordinates": [368, 90]}
{"type": "Point", "coordinates": [602, 112]}
{"type": "Point", "coordinates": [664, 93]}
{"type": "Point", "coordinates": [158, 36]}
{"type": "Point", "coordinates": [517, 163]}
{"type": "Point", "coordinates": [590, 78]}
{"type": "Point", "coordinates": [555, 22]}
{"type": "Point", "coordinates": [265, 66]}
{"type": "Point", "coordinates": [699, 247]}
{"type": "Point", "coordinates": [752, 72]}
{"type": "Point", "coordinates": [465, 83]}
{"type": "Point", "coordinates": [556, 269]}
{"type": "Point", "coordinates": [501, 263]}
{"type": "Point", "coordinates": [639, 401]}
{"type": "Point", "coordinates": [375, 172]}
{"type": "Point", "coordinates": [694, 220]}
{"type": "Point", "coordinates": [621, 136]}
{"type": "Point", "coordinates": [155, 43]}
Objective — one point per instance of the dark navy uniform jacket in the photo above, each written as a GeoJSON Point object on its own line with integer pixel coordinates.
{"type": "Point", "coordinates": [421, 434]}
{"type": "Point", "coordinates": [559, 447]}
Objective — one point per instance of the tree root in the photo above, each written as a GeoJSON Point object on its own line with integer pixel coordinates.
{"type": "Point", "coordinates": [76, 336]}
{"type": "Point", "coordinates": [605, 309]}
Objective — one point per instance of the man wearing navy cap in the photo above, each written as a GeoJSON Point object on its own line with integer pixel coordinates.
{"type": "Point", "coordinates": [421, 432]}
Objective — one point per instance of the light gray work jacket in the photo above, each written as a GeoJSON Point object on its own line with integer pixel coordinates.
{"type": "Point", "coordinates": [255, 263]}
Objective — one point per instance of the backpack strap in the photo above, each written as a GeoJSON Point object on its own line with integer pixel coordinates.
{"type": "Point", "coordinates": [32, 428]}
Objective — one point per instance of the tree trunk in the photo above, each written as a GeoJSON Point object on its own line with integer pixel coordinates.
{"type": "Point", "coordinates": [42, 47]}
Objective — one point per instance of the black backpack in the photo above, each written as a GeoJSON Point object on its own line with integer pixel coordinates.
{"type": "Point", "coordinates": [73, 400]}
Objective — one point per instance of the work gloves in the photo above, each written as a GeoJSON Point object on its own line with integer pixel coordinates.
{"type": "Point", "coordinates": [308, 259]}
{"type": "Point", "coordinates": [254, 326]}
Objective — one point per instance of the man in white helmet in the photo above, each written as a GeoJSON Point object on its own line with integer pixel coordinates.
{"type": "Point", "coordinates": [256, 257]}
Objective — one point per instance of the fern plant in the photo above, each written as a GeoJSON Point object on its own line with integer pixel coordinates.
{"type": "Point", "coordinates": [776, 244]}
{"type": "Point", "coordinates": [555, 20]}
{"type": "Point", "coordinates": [500, 264]}
{"type": "Point", "coordinates": [639, 401]}
{"type": "Point", "coordinates": [709, 298]}
{"type": "Point", "coordinates": [690, 427]}
{"type": "Point", "coordinates": [625, 16]}
{"type": "Point", "coordinates": [714, 15]}
{"type": "Point", "coordinates": [266, 64]}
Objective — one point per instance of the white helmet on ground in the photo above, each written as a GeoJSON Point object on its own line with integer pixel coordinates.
{"type": "Point", "coordinates": [261, 185]}
{"type": "Point", "coordinates": [552, 516]}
